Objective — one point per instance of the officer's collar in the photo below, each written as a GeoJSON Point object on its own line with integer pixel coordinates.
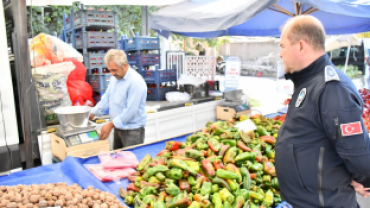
{"type": "Point", "coordinates": [302, 75]}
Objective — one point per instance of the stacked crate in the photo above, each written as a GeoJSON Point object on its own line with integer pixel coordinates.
{"type": "Point", "coordinates": [143, 54]}
{"type": "Point", "coordinates": [93, 33]}
{"type": "Point", "coordinates": [203, 67]}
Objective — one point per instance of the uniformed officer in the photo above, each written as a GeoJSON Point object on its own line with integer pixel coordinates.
{"type": "Point", "coordinates": [323, 145]}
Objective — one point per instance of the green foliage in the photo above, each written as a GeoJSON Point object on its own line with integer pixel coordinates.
{"type": "Point", "coordinates": [49, 19]}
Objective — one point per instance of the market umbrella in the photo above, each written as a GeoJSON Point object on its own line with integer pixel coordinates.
{"type": "Point", "coordinates": [214, 18]}
{"type": "Point", "coordinates": [342, 41]}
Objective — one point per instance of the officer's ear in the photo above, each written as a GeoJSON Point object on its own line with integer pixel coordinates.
{"type": "Point", "coordinates": [302, 47]}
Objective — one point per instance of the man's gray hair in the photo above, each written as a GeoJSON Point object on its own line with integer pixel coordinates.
{"type": "Point", "coordinates": [118, 57]}
{"type": "Point", "coordinates": [307, 28]}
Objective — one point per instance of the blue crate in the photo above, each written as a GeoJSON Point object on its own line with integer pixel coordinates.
{"type": "Point", "coordinates": [95, 40]}
{"type": "Point", "coordinates": [139, 43]}
{"type": "Point", "coordinates": [159, 76]}
{"type": "Point", "coordinates": [94, 60]}
{"type": "Point", "coordinates": [99, 82]}
{"type": "Point", "coordinates": [143, 59]}
{"type": "Point", "coordinates": [97, 71]}
{"type": "Point", "coordinates": [158, 94]}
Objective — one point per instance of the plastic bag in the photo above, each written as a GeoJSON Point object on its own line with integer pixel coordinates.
{"type": "Point", "coordinates": [107, 175]}
{"type": "Point", "coordinates": [177, 96]}
{"type": "Point", "coordinates": [118, 160]}
{"type": "Point", "coordinates": [46, 49]}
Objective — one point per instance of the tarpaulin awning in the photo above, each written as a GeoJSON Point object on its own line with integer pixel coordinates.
{"type": "Point", "coordinates": [214, 18]}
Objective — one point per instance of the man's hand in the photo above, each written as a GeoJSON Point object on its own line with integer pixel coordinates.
{"type": "Point", "coordinates": [105, 131]}
{"type": "Point", "coordinates": [360, 189]}
{"type": "Point", "coordinates": [91, 116]}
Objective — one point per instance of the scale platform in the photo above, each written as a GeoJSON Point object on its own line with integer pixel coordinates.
{"type": "Point", "coordinates": [76, 136]}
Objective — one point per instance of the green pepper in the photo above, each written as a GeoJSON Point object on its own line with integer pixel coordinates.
{"type": "Point", "coordinates": [159, 204]}
{"type": "Point", "coordinates": [221, 182]}
{"type": "Point", "coordinates": [183, 165]}
{"type": "Point", "coordinates": [246, 178]}
{"type": "Point", "coordinates": [181, 200]}
{"type": "Point", "coordinates": [226, 174]}
{"type": "Point", "coordinates": [137, 181]}
{"type": "Point", "coordinates": [244, 193]}
{"type": "Point", "coordinates": [208, 167]}
{"type": "Point", "coordinates": [231, 142]}
{"type": "Point", "coordinates": [237, 135]}
{"type": "Point", "coordinates": [277, 200]}
{"type": "Point", "coordinates": [131, 193]}
{"type": "Point", "coordinates": [138, 203]}
{"type": "Point", "coordinates": [214, 158]}
{"type": "Point", "coordinates": [258, 179]}
{"type": "Point", "coordinates": [148, 199]}
{"type": "Point", "coordinates": [262, 131]}
{"type": "Point", "coordinates": [226, 135]}
{"type": "Point", "coordinates": [266, 178]}
{"type": "Point", "coordinates": [194, 167]}
{"type": "Point", "coordinates": [156, 169]}
{"type": "Point", "coordinates": [216, 200]}
{"type": "Point", "coordinates": [194, 154]}
{"type": "Point", "coordinates": [258, 146]}
{"type": "Point", "coordinates": [239, 201]}
{"type": "Point", "coordinates": [218, 130]}
{"type": "Point", "coordinates": [233, 184]}
{"type": "Point", "coordinates": [278, 122]}
{"type": "Point", "coordinates": [223, 150]}
{"type": "Point", "coordinates": [194, 204]}
{"type": "Point", "coordinates": [227, 204]}
{"type": "Point", "coordinates": [148, 191]}
{"type": "Point", "coordinates": [162, 195]}
{"type": "Point", "coordinates": [256, 196]}
{"type": "Point", "coordinates": [226, 195]}
{"type": "Point", "coordinates": [174, 173]}
{"type": "Point", "coordinates": [160, 177]}
{"type": "Point", "coordinates": [214, 145]}
{"type": "Point", "coordinates": [214, 188]}
{"type": "Point", "coordinates": [268, 167]}
{"type": "Point", "coordinates": [245, 137]}
{"type": "Point", "coordinates": [253, 205]}
{"type": "Point", "coordinates": [206, 188]}
{"type": "Point", "coordinates": [145, 161]}
{"type": "Point", "coordinates": [202, 146]}
{"type": "Point", "coordinates": [230, 155]}
{"type": "Point", "coordinates": [231, 167]}
{"type": "Point", "coordinates": [168, 181]}
{"type": "Point", "coordinates": [275, 183]}
{"type": "Point", "coordinates": [255, 166]}
{"type": "Point", "coordinates": [269, 199]}
{"type": "Point", "coordinates": [205, 203]}
{"type": "Point", "coordinates": [173, 190]}
{"type": "Point", "coordinates": [129, 200]}
{"type": "Point", "coordinates": [122, 193]}
{"type": "Point", "coordinates": [198, 184]}
{"type": "Point", "coordinates": [184, 185]}
{"type": "Point", "coordinates": [153, 179]}
{"type": "Point", "coordinates": [192, 181]}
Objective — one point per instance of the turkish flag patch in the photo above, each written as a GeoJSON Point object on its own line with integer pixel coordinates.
{"type": "Point", "coordinates": [350, 129]}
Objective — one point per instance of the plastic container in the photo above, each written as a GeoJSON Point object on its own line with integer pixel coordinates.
{"type": "Point", "coordinates": [159, 76]}
{"type": "Point", "coordinates": [103, 40]}
{"type": "Point", "coordinates": [94, 60]}
{"type": "Point", "coordinates": [91, 19]}
{"type": "Point", "coordinates": [99, 81]}
{"type": "Point", "coordinates": [143, 59]}
{"type": "Point", "coordinates": [158, 93]}
{"type": "Point", "coordinates": [140, 43]}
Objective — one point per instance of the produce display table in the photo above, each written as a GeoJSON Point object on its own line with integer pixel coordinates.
{"type": "Point", "coordinates": [72, 170]}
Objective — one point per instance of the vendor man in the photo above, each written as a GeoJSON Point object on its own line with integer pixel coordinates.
{"type": "Point", "coordinates": [125, 97]}
{"type": "Point", "coordinates": [323, 149]}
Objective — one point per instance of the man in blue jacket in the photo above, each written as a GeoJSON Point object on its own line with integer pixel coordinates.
{"type": "Point", "coordinates": [323, 146]}
{"type": "Point", "coordinates": [125, 97]}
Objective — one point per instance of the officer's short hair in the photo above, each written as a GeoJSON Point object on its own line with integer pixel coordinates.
{"type": "Point", "coordinates": [118, 57]}
{"type": "Point", "coordinates": [307, 28]}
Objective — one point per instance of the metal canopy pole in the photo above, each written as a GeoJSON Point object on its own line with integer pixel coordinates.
{"type": "Point", "coordinates": [144, 21]}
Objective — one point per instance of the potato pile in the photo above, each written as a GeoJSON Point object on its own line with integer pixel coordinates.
{"type": "Point", "coordinates": [56, 194]}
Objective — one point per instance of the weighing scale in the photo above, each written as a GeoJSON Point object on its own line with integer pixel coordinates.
{"type": "Point", "coordinates": [77, 135]}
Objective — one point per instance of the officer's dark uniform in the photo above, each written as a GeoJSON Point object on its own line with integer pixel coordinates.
{"type": "Point", "coordinates": [314, 162]}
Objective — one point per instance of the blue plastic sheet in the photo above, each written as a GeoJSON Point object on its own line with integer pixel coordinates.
{"type": "Point", "coordinates": [72, 170]}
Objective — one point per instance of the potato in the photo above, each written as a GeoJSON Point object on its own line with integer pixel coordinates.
{"type": "Point", "coordinates": [84, 201]}
{"type": "Point", "coordinates": [29, 205]}
{"type": "Point", "coordinates": [4, 202]}
{"type": "Point", "coordinates": [43, 203]}
{"type": "Point", "coordinates": [97, 191]}
{"type": "Point", "coordinates": [34, 198]}
{"type": "Point", "coordinates": [68, 197]}
{"type": "Point", "coordinates": [48, 187]}
{"type": "Point", "coordinates": [54, 198]}
{"type": "Point", "coordinates": [55, 192]}
{"type": "Point", "coordinates": [90, 203]}
{"type": "Point", "coordinates": [79, 198]}
{"type": "Point", "coordinates": [104, 205]}
{"type": "Point", "coordinates": [90, 187]}
{"type": "Point", "coordinates": [63, 191]}
{"type": "Point", "coordinates": [42, 186]}
{"type": "Point", "coordinates": [35, 192]}
{"type": "Point", "coordinates": [18, 198]}
{"type": "Point", "coordinates": [109, 198]}
{"type": "Point", "coordinates": [121, 206]}
{"type": "Point", "coordinates": [98, 201]}
{"type": "Point", "coordinates": [95, 197]}
{"type": "Point", "coordinates": [59, 203]}
{"type": "Point", "coordinates": [69, 203]}
{"type": "Point", "coordinates": [9, 197]}
{"type": "Point", "coordinates": [51, 203]}
{"type": "Point", "coordinates": [102, 197]}
{"type": "Point", "coordinates": [25, 201]}
{"type": "Point", "coordinates": [48, 196]}
{"type": "Point", "coordinates": [12, 205]}
{"type": "Point", "coordinates": [96, 205]}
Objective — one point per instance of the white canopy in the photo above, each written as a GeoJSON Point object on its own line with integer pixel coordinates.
{"type": "Point", "coordinates": [105, 2]}
{"type": "Point", "coordinates": [341, 41]}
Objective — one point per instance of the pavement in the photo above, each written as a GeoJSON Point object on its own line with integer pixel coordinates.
{"type": "Point", "coordinates": [264, 89]}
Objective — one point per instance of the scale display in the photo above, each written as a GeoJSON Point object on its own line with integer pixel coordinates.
{"type": "Point", "coordinates": [82, 138]}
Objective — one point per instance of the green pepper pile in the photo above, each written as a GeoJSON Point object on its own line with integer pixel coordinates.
{"type": "Point", "coordinates": [218, 167]}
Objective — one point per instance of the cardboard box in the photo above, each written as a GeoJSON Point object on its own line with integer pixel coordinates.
{"type": "Point", "coordinates": [60, 150]}
{"type": "Point", "coordinates": [225, 113]}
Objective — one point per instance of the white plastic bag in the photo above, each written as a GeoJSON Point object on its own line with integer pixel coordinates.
{"type": "Point", "coordinates": [47, 49]}
{"type": "Point", "coordinates": [177, 96]}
